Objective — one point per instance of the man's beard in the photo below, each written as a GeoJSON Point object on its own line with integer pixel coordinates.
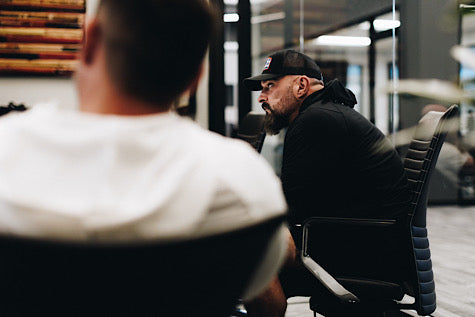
{"type": "Point", "coordinates": [274, 122]}
{"type": "Point", "coordinates": [277, 120]}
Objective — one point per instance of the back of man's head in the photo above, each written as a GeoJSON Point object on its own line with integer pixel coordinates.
{"type": "Point", "coordinates": [154, 48]}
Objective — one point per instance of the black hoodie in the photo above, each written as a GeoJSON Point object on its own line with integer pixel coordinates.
{"type": "Point", "coordinates": [337, 163]}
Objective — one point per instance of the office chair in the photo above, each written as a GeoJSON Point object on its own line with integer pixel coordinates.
{"type": "Point", "coordinates": [199, 277]}
{"type": "Point", "coordinates": [251, 130]}
{"type": "Point", "coordinates": [367, 266]}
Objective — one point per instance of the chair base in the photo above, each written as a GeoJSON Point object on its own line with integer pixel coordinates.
{"type": "Point", "coordinates": [384, 314]}
{"type": "Point", "coordinates": [330, 306]}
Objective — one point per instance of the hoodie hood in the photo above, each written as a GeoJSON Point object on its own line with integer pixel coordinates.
{"type": "Point", "coordinates": [81, 176]}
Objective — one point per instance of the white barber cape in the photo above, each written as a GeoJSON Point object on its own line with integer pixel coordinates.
{"type": "Point", "coordinates": [87, 177]}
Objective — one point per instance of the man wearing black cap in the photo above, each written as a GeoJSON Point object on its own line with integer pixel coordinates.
{"type": "Point", "coordinates": [335, 162]}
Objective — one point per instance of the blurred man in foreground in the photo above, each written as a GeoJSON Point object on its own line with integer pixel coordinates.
{"type": "Point", "coordinates": [126, 168]}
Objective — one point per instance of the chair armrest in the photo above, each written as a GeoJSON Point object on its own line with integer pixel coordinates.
{"type": "Point", "coordinates": [348, 235]}
{"type": "Point", "coordinates": [351, 221]}
{"type": "Point", "coordinates": [327, 280]}
{"type": "Point", "coordinates": [340, 227]}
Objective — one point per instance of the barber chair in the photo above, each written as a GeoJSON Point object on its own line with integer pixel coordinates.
{"type": "Point", "coordinates": [368, 266]}
{"type": "Point", "coordinates": [202, 276]}
{"type": "Point", "coordinates": [251, 129]}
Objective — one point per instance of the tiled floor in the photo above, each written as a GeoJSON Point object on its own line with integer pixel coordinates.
{"type": "Point", "coordinates": [298, 307]}
{"type": "Point", "coordinates": [452, 243]}
{"type": "Point", "coordinates": [452, 238]}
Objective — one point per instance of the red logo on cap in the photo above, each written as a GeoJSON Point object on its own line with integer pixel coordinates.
{"type": "Point", "coordinates": [267, 65]}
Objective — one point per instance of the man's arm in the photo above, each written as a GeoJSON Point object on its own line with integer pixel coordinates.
{"type": "Point", "coordinates": [272, 302]}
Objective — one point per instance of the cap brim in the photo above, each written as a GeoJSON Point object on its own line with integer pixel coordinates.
{"type": "Point", "coordinates": [254, 83]}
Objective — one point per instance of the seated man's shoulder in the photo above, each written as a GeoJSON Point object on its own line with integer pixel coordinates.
{"type": "Point", "coordinates": [320, 121]}
{"type": "Point", "coordinates": [246, 191]}
{"type": "Point", "coordinates": [235, 163]}
{"type": "Point", "coordinates": [339, 117]}
{"type": "Point", "coordinates": [243, 163]}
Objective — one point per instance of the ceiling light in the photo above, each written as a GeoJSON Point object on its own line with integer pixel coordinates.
{"type": "Point", "coordinates": [383, 25]}
{"type": "Point", "coordinates": [231, 46]}
{"type": "Point", "coordinates": [231, 17]}
{"type": "Point", "coordinates": [333, 40]}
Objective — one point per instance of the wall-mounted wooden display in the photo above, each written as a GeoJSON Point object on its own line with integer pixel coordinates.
{"type": "Point", "coordinates": [40, 37]}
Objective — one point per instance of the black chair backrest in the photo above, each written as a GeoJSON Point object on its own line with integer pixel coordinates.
{"type": "Point", "coordinates": [251, 129]}
{"type": "Point", "coordinates": [420, 163]}
{"type": "Point", "coordinates": [204, 276]}
{"type": "Point", "coordinates": [12, 107]}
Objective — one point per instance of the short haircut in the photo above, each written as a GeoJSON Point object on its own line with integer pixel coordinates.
{"type": "Point", "coordinates": [154, 48]}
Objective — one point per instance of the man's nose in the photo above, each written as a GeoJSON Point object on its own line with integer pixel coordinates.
{"type": "Point", "coordinates": [262, 98]}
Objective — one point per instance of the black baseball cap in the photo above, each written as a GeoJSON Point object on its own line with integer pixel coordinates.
{"type": "Point", "coordinates": [282, 63]}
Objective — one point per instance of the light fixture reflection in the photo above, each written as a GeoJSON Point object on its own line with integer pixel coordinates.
{"type": "Point", "coordinates": [380, 25]}
{"type": "Point", "coordinates": [268, 17]}
{"type": "Point", "coordinates": [334, 40]}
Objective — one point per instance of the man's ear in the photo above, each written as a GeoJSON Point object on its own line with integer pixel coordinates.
{"type": "Point", "coordinates": [302, 86]}
{"type": "Point", "coordinates": [92, 39]}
